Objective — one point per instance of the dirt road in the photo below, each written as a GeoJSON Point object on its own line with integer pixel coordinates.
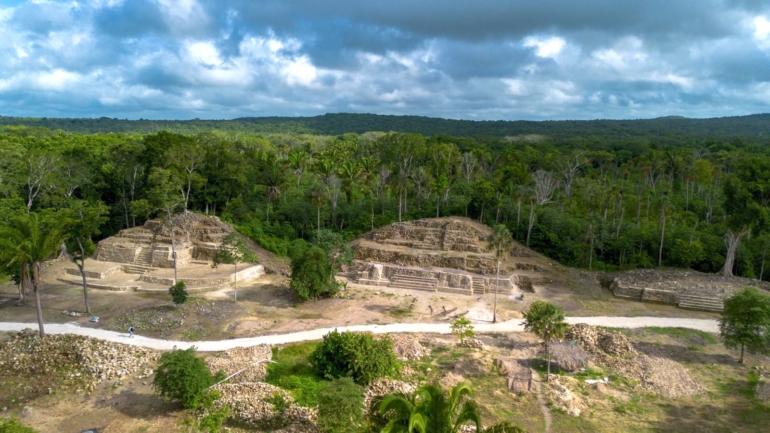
{"type": "Point", "coordinates": [515, 325]}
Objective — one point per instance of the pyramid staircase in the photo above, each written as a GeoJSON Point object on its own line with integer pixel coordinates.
{"type": "Point", "coordinates": [692, 302]}
{"type": "Point", "coordinates": [413, 282]}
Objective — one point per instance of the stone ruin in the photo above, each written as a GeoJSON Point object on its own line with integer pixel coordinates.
{"type": "Point", "coordinates": [196, 237]}
{"type": "Point", "coordinates": [683, 288]}
{"type": "Point", "coordinates": [147, 251]}
{"type": "Point", "coordinates": [443, 255]}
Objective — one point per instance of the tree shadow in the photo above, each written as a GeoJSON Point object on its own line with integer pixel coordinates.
{"type": "Point", "coordinates": [136, 405]}
{"type": "Point", "coordinates": [683, 354]}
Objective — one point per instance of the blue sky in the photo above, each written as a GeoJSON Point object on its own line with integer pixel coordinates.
{"type": "Point", "coordinates": [481, 60]}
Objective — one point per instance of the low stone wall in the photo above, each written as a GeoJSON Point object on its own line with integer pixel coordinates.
{"type": "Point", "coordinates": [623, 291]}
{"type": "Point", "coordinates": [246, 274]}
{"type": "Point", "coordinates": [205, 251]}
{"type": "Point", "coordinates": [97, 286]}
{"type": "Point", "coordinates": [94, 274]}
{"type": "Point", "coordinates": [660, 296]}
{"type": "Point", "coordinates": [161, 257]}
{"type": "Point", "coordinates": [470, 263]}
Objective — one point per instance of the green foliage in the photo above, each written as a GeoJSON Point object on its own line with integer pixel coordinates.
{"type": "Point", "coordinates": [311, 275]}
{"type": "Point", "coordinates": [234, 251]}
{"type": "Point", "coordinates": [745, 322]}
{"type": "Point", "coordinates": [182, 376]}
{"type": "Point", "coordinates": [357, 355]}
{"type": "Point", "coordinates": [462, 328]}
{"type": "Point", "coordinates": [214, 416]}
{"type": "Point", "coordinates": [545, 320]}
{"type": "Point", "coordinates": [292, 371]}
{"type": "Point", "coordinates": [340, 406]}
{"type": "Point", "coordinates": [279, 402]}
{"type": "Point", "coordinates": [178, 293]}
{"type": "Point", "coordinates": [12, 425]}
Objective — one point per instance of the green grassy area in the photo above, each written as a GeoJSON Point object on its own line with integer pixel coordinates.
{"type": "Point", "coordinates": [292, 372]}
{"type": "Point", "coordinates": [684, 334]}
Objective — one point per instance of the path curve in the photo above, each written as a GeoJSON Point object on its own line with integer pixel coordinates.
{"type": "Point", "coordinates": [515, 325]}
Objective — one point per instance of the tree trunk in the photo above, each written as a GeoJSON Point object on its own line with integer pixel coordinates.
{"type": "Point", "coordinates": [742, 347]}
{"type": "Point", "coordinates": [438, 201]}
{"type": "Point", "coordinates": [173, 253]}
{"type": "Point", "coordinates": [318, 215]}
{"type": "Point", "coordinates": [497, 287]}
{"type": "Point", "coordinates": [662, 235]}
{"type": "Point", "coordinates": [399, 207]}
{"type": "Point", "coordinates": [548, 360]}
{"type": "Point", "coordinates": [732, 246]}
{"type": "Point", "coordinates": [531, 222]}
{"type": "Point", "coordinates": [35, 284]}
{"type": "Point", "coordinates": [518, 218]}
{"type": "Point", "coordinates": [235, 275]}
{"type": "Point", "coordinates": [82, 267]}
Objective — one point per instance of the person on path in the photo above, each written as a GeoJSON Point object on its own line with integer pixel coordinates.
{"type": "Point", "coordinates": [130, 332]}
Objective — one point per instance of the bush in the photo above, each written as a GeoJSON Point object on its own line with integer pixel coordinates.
{"type": "Point", "coordinates": [311, 275]}
{"type": "Point", "coordinates": [462, 328]}
{"type": "Point", "coordinates": [340, 406]}
{"type": "Point", "coordinates": [178, 293]}
{"type": "Point", "coordinates": [357, 355]}
{"type": "Point", "coordinates": [182, 376]}
{"type": "Point", "coordinates": [13, 425]}
{"type": "Point", "coordinates": [215, 416]}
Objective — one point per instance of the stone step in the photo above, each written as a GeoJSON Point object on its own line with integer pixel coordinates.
{"type": "Point", "coordinates": [414, 278]}
{"type": "Point", "coordinates": [137, 269]}
{"type": "Point", "coordinates": [412, 286]}
{"type": "Point", "coordinates": [701, 303]}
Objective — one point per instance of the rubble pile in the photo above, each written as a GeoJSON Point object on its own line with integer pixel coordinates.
{"type": "Point", "coordinates": [600, 342]}
{"type": "Point", "coordinates": [473, 343]}
{"type": "Point", "coordinates": [408, 348]}
{"type": "Point", "coordinates": [240, 358]}
{"type": "Point", "coordinates": [250, 402]}
{"type": "Point", "coordinates": [384, 387]}
{"type": "Point", "coordinates": [562, 397]}
{"type": "Point", "coordinates": [664, 376]}
{"type": "Point", "coordinates": [96, 360]}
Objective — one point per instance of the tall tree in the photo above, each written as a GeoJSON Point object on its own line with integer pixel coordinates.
{"type": "Point", "coordinates": [233, 251]}
{"type": "Point", "coordinates": [545, 320]}
{"type": "Point", "coordinates": [745, 322]}
{"type": "Point", "coordinates": [542, 193]}
{"type": "Point", "coordinates": [82, 222]}
{"type": "Point", "coordinates": [164, 198]}
{"type": "Point", "coordinates": [185, 157]}
{"type": "Point", "coordinates": [33, 241]}
{"type": "Point", "coordinates": [500, 243]}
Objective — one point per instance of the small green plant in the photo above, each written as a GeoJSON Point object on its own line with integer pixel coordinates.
{"type": "Point", "coordinates": [462, 328]}
{"type": "Point", "coordinates": [340, 406]}
{"type": "Point", "coordinates": [182, 376]}
{"type": "Point", "coordinates": [357, 355]}
{"type": "Point", "coordinates": [292, 371]}
{"type": "Point", "coordinates": [214, 416]}
{"type": "Point", "coordinates": [279, 402]}
{"type": "Point", "coordinates": [178, 293]}
{"type": "Point", "coordinates": [12, 425]}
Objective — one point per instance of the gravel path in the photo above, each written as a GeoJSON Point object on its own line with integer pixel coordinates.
{"type": "Point", "coordinates": [317, 334]}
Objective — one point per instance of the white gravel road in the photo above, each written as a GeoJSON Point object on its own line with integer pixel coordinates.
{"type": "Point", "coordinates": [316, 334]}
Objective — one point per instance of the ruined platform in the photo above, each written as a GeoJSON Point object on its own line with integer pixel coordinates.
{"type": "Point", "coordinates": [442, 255]}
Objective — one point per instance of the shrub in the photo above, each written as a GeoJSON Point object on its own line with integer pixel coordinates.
{"type": "Point", "coordinates": [13, 425]}
{"type": "Point", "coordinates": [462, 328]}
{"type": "Point", "coordinates": [311, 275]}
{"type": "Point", "coordinates": [182, 376]}
{"type": "Point", "coordinates": [340, 406]}
{"type": "Point", "coordinates": [357, 355]}
{"type": "Point", "coordinates": [292, 371]}
{"type": "Point", "coordinates": [178, 293]}
{"type": "Point", "coordinates": [215, 416]}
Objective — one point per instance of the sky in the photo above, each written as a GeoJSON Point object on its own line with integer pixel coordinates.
{"type": "Point", "coordinates": [477, 60]}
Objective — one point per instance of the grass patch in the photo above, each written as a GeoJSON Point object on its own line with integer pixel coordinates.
{"type": "Point", "coordinates": [401, 312]}
{"type": "Point", "coordinates": [682, 333]}
{"type": "Point", "coordinates": [590, 373]}
{"type": "Point", "coordinates": [292, 372]}
{"type": "Point", "coordinates": [632, 406]}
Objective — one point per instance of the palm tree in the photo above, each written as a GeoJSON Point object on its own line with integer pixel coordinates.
{"type": "Point", "coordinates": [431, 410]}
{"type": "Point", "coordinates": [31, 243]}
{"type": "Point", "coordinates": [545, 320]}
{"type": "Point", "coordinates": [500, 242]}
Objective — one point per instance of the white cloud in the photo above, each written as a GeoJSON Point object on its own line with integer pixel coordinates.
{"type": "Point", "coordinates": [545, 47]}
{"type": "Point", "coordinates": [762, 32]}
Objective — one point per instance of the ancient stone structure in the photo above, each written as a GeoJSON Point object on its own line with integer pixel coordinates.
{"type": "Point", "coordinates": [683, 288]}
{"type": "Point", "coordinates": [146, 251]}
{"type": "Point", "coordinates": [440, 254]}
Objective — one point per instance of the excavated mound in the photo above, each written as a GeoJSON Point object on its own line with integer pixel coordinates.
{"type": "Point", "coordinates": [442, 254]}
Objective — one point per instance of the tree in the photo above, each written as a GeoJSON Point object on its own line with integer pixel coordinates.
{"type": "Point", "coordinates": [500, 243]}
{"type": "Point", "coordinates": [164, 198]}
{"type": "Point", "coordinates": [354, 354]}
{"type": "Point", "coordinates": [31, 242]}
{"type": "Point", "coordinates": [178, 293]}
{"type": "Point", "coordinates": [340, 406]}
{"type": "Point", "coordinates": [431, 410]}
{"type": "Point", "coordinates": [82, 222]}
{"type": "Point", "coordinates": [542, 193]}
{"type": "Point", "coordinates": [311, 275]}
{"type": "Point", "coordinates": [338, 252]}
{"type": "Point", "coordinates": [745, 322]}
{"type": "Point", "coordinates": [545, 320]}
{"type": "Point", "coordinates": [182, 376]}
{"type": "Point", "coordinates": [185, 156]}
{"type": "Point", "coordinates": [462, 328]}
{"type": "Point", "coordinates": [233, 251]}
{"type": "Point", "coordinates": [746, 198]}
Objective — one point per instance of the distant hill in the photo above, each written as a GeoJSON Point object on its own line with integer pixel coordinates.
{"type": "Point", "coordinates": [336, 124]}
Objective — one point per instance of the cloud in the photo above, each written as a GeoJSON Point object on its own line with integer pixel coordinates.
{"type": "Point", "coordinates": [481, 60]}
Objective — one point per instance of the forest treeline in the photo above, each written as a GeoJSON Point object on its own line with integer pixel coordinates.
{"type": "Point", "coordinates": [588, 202]}
{"type": "Point", "coordinates": [665, 130]}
